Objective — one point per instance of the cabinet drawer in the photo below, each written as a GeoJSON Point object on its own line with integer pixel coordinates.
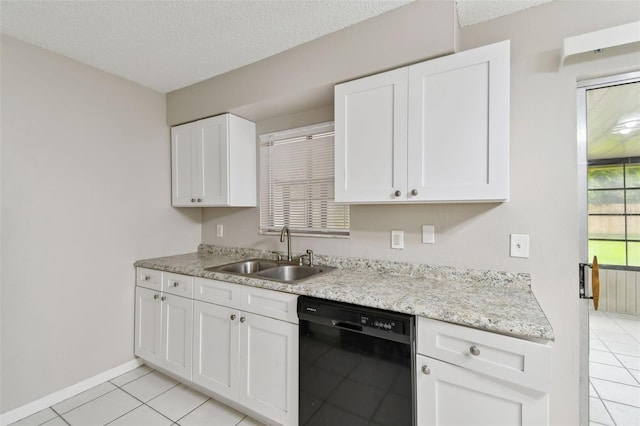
{"type": "Point", "coordinates": [507, 358]}
{"type": "Point", "coordinates": [180, 285]}
{"type": "Point", "coordinates": [149, 278]}
{"type": "Point", "coordinates": [219, 292]}
{"type": "Point", "coordinates": [271, 303]}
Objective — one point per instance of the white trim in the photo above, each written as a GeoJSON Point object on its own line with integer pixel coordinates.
{"type": "Point", "coordinates": [66, 393]}
{"type": "Point", "coordinates": [312, 129]}
{"type": "Point", "coordinates": [583, 251]}
{"type": "Point", "coordinates": [609, 37]}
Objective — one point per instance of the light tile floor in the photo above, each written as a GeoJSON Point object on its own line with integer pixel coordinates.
{"type": "Point", "coordinates": [614, 369]}
{"type": "Point", "coordinates": [141, 397]}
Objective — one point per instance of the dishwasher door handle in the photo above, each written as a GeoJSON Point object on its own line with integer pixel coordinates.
{"type": "Point", "coordinates": [346, 325]}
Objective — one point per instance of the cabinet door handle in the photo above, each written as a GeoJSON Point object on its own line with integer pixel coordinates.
{"type": "Point", "coordinates": [397, 193]}
{"type": "Point", "coordinates": [425, 369]}
{"type": "Point", "coordinates": [414, 192]}
{"type": "Point", "coordinates": [474, 350]}
{"type": "Point", "coordinates": [176, 283]}
{"type": "Point", "coordinates": [155, 296]}
{"type": "Point", "coordinates": [233, 317]}
{"type": "Point", "coordinates": [242, 319]}
{"type": "Point", "coordinates": [163, 298]}
{"type": "Point", "coordinates": [199, 200]}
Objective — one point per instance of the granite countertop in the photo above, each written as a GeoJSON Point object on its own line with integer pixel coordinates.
{"type": "Point", "coordinates": [499, 302]}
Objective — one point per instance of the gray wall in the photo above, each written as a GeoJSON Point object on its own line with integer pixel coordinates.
{"type": "Point", "coordinates": [303, 77]}
{"type": "Point", "coordinates": [85, 193]}
{"type": "Point", "coordinates": [543, 177]}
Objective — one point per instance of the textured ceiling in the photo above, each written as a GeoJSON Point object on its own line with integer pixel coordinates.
{"type": "Point", "coordinates": [167, 45]}
{"type": "Point", "coordinates": [613, 122]}
{"type": "Point", "coordinates": [475, 11]}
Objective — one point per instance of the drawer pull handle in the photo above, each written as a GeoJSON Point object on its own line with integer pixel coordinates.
{"type": "Point", "coordinates": [147, 277]}
{"type": "Point", "coordinates": [474, 350]}
{"type": "Point", "coordinates": [233, 317]}
{"type": "Point", "coordinates": [176, 284]}
{"type": "Point", "coordinates": [242, 319]}
{"type": "Point", "coordinates": [425, 369]}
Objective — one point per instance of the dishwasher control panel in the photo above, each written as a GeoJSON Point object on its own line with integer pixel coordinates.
{"type": "Point", "coordinates": [348, 315]}
{"type": "Point", "coordinates": [381, 323]}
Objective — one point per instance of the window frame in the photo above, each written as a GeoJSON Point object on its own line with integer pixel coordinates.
{"type": "Point", "coordinates": [615, 162]}
{"type": "Point", "coordinates": [309, 132]}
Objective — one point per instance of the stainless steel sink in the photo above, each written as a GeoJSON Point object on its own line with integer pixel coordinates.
{"type": "Point", "coordinates": [293, 273]}
{"type": "Point", "coordinates": [247, 267]}
{"type": "Point", "coordinates": [272, 270]}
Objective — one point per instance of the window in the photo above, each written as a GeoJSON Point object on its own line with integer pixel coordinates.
{"type": "Point", "coordinates": [614, 211]}
{"type": "Point", "coordinates": [297, 183]}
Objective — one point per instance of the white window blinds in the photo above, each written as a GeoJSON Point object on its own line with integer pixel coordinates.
{"type": "Point", "coordinates": [297, 182]}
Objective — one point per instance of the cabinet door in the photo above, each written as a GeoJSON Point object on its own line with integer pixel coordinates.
{"type": "Point", "coordinates": [148, 323]}
{"type": "Point", "coordinates": [211, 179]}
{"type": "Point", "coordinates": [177, 334]}
{"type": "Point", "coordinates": [182, 158]}
{"type": "Point", "coordinates": [371, 138]}
{"type": "Point", "coordinates": [215, 356]}
{"type": "Point", "coordinates": [485, 401]}
{"type": "Point", "coordinates": [269, 367]}
{"type": "Point", "coordinates": [459, 126]}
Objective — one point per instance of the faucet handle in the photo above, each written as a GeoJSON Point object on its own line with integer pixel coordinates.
{"type": "Point", "coordinates": [310, 255]}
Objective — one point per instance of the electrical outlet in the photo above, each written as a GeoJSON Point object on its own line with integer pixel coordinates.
{"type": "Point", "coordinates": [219, 231]}
{"type": "Point", "coordinates": [397, 239]}
{"type": "Point", "coordinates": [428, 234]}
{"type": "Point", "coordinates": [519, 245]}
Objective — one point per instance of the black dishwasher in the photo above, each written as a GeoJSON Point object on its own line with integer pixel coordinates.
{"type": "Point", "coordinates": [356, 365]}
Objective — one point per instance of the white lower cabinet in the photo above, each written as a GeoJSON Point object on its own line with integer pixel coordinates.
{"type": "Point", "coordinates": [215, 352]}
{"type": "Point", "coordinates": [452, 395]}
{"type": "Point", "coordinates": [247, 358]}
{"type": "Point", "coordinates": [471, 377]}
{"type": "Point", "coordinates": [243, 347]}
{"type": "Point", "coordinates": [164, 330]}
{"type": "Point", "coordinates": [148, 321]}
{"type": "Point", "coordinates": [268, 378]}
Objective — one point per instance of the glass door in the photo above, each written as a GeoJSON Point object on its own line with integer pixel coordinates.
{"type": "Point", "coordinates": [609, 200]}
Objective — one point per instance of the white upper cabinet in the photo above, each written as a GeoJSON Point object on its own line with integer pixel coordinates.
{"type": "Point", "coordinates": [214, 163]}
{"type": "Point", "coordinates": [437, 131]}
{"type": "Point", "coordinates": [371, 137]}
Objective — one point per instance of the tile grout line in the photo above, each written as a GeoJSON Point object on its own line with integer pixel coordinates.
{"type": "Point", "coordinates": [615, 355]}
{"type": "Point", "coordinates": [84, 403]}
{"type": "Point", "coordinates": [622, 331]}
{"type": "Point", "coordinates": [205, 401]}
{"type": "Point", "coordinates": [141, 401]}
{"type": "Point", "coordinates": [601, 402]}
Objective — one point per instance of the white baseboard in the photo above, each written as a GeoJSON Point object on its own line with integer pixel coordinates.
{"type": "Point", "coordinates": [66, 393]}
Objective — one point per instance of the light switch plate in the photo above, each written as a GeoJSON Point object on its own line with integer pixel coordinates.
{"type": "Point", "coordinates": [397, 239]}
{"type": "Point", "coordinates": [219, 230]}
{"type": "Point", "coordinates": [519, 245]}
{"type": "Point", "coordinates": [428, 234]}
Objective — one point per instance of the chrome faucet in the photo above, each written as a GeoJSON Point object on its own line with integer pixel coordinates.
{"type": "Point", "coordinates": [285, 230]}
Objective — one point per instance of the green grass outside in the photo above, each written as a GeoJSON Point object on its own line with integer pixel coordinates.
{"type": "Point", "coordinates": [613, 252]}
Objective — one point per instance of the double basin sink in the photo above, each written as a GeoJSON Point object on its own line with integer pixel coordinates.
{"type": "Point", "coordinates": [284, 272]}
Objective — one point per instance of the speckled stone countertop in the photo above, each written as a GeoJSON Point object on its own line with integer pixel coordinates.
{"type": "Point", "coordinates": [499, 302]}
